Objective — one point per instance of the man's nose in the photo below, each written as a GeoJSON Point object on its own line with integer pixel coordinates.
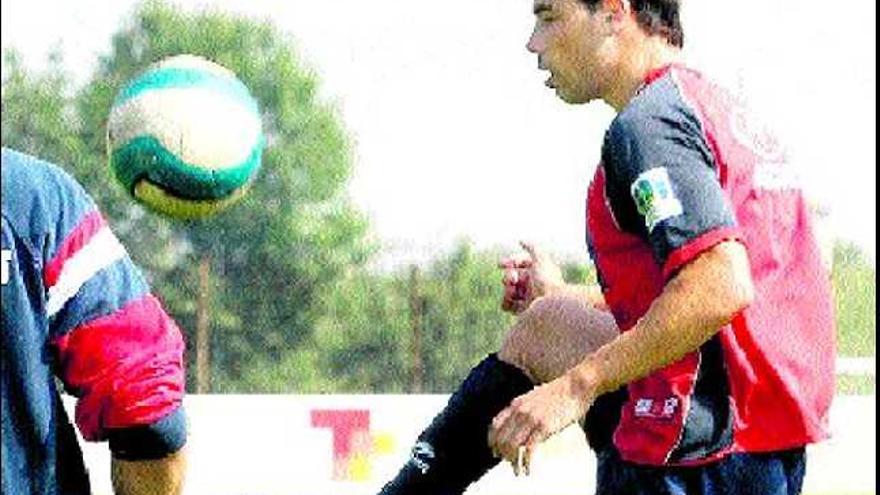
{"type": "Point", "coordinates": [535, 44]}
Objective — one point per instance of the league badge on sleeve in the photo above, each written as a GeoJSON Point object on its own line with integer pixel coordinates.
{"type": "Point", "coordinates": [654, 197]}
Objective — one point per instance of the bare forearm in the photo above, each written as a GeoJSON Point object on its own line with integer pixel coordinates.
{"type": "Point", "coordinates": [701, 299]}
{"type": "Point", "coordinates": [156, 477]}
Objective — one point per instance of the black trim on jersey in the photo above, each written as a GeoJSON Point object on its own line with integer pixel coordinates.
{"type": "Point", "coordinates": [708, 427]}
{"type": "Point", "coordinates": [603, 418]}
{"type": "Point", "coordinates": [149, 442]}
{"type": "Point", "coordinates": [594, 257]}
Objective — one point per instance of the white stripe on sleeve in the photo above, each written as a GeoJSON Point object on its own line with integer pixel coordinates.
{"type": "Point", "coordinates": [102, 250]}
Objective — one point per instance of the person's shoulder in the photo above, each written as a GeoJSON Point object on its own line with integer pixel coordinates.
{"type": "Point", "coordinates": [657, 100]}
{"type": "Point", "coordinates": [36, 191]}
{"type": "Point", "coordinates": [636, 123]}
{"type": "Point", "coordinates": [29, 174]}
{"type": "Point", "coordinates": [658, 110]}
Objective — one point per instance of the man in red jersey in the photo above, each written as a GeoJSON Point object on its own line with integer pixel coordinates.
{"type": "Point", "coordinates": [722, 370]}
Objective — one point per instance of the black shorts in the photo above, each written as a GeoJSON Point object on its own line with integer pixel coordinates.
{"type": "Point", "coordinates": [772, 473]}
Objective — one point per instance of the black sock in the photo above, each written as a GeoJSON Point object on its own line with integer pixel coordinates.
{"type": "Point", "coordinates": [453, 451]}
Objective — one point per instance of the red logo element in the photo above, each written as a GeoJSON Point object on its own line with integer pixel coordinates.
{"type": "Point", "coordinates": [353, 444]}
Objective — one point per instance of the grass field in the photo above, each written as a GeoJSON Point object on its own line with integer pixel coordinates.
{"type": "Point", "coordinates": [855, 297]}
{"type": "Point", "coordinates": [856, 385]}
{"type": "Point", "coordinates": [857, 342]}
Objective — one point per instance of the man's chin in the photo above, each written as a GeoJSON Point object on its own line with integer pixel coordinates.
{"type": "Point", "coordinates": [570, 98]}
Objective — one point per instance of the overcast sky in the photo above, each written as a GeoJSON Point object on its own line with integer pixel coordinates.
{"type": "Point", "coordinates": [456, 136]}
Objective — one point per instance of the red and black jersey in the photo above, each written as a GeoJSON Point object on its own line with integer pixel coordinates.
{"type": "Point", "coordinates": [684, 168]}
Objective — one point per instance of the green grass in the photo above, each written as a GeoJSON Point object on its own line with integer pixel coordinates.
{"type": "Point", "coordinates": [855, 297]}
{"type": "Point", "coordinates": [856, 385]}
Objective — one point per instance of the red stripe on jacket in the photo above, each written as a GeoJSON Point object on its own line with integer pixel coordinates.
{"type": "Point", "coordinates": [70, 245]}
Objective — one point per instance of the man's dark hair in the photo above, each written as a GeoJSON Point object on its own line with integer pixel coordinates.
{"type": "Point", "coordinates": [656, 17]}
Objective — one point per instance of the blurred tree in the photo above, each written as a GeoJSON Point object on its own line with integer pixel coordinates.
{"type": "Point", "coordinates": [292, 236]}
{"type": "Point", "coordinates": [362, 338]}
{"type": "Point", "coordinates": [463, 320]}
{"type": "Point", "coordinates": [365, 338]}
{"type": "Point", "coordinates": [36, 109]}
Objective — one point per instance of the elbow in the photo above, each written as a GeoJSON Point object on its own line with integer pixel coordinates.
{"type": "Point", "coordinates": [740, 290]}
{"type": "Point", "coordinates": [730, 301]}
{"type": "Point", "coordinates": [743, 294]}
{"type": "Point", "coordinates": [732, 289]}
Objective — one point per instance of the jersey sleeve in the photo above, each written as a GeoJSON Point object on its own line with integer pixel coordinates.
{"type": "Point", "coordinates": [117, 349]}
{"type": "Point", "coordinates": [662, 185]}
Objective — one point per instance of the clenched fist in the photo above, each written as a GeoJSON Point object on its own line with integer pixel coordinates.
{"type": "Point", "coordinates": [527, 276]}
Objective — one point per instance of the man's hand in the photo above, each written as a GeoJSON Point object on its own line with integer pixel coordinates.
{"type": "Point", "coordinates": [533, 417]}
{"type": "Point", "coordinates": [528, 276]}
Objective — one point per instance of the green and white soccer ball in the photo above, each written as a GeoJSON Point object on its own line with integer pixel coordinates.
{"type": "Point", "coordinates": [184, 137]}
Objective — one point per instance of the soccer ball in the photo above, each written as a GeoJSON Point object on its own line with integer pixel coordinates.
{"type": "Point", "coordinates": [184, 137]}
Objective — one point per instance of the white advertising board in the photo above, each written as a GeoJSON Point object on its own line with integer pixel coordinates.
{"type": "Point", "coordinates": [353, 444]}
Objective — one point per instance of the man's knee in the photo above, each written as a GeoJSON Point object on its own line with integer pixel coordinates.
{"type": "Point", "coordinates": [554, 334]}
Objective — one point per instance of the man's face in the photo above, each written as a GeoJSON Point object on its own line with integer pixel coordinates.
{"type": "Point", "coordinates": [567, 39]}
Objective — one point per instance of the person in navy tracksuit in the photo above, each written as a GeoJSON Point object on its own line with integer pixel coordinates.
{"type": "Point", "coordinates": [76, 309]}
